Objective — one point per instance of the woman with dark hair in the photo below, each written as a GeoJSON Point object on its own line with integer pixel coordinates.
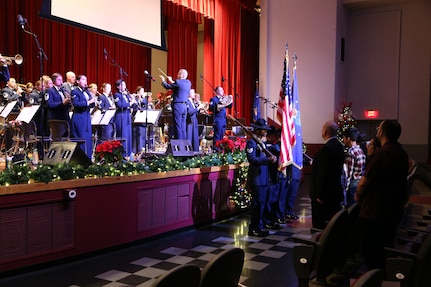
{"type": "Point", "coordinates": [372, 146]}
{"type": "Point", "coordinates": [123, 119]}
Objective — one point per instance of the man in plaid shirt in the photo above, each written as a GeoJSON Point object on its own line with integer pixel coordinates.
{"type": "Point", "coordinates": [354, 164]}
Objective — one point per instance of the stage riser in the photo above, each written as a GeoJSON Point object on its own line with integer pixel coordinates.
{"type": "Point", "coordinates": [47, 224]}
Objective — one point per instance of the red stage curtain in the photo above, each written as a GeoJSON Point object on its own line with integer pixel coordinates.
{"type": "Point", "coordinates": [249, 66]}
{"type": "Point", "coordinates": [231, 51]}
{"type": "Point", "coordinates": [68, 48]}
{"type": "Point", "coordinates": [182, 43]}
{"type": "Point", "coordinates": [204, 7]}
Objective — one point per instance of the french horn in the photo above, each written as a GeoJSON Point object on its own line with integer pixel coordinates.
{"type": "Point", "coordinates": [224, 102]}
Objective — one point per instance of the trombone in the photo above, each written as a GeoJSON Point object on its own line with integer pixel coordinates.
{"type": "Point", "coordinates": [18, 59]}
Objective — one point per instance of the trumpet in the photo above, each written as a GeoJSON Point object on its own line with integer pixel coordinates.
{"type": "Point", "coordinates": [18, 59]}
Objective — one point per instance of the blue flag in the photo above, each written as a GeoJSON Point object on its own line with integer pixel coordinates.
{"type": "Point", "coordinates": [297, 151]}
{"type": "Point", "coordinates": [256, 104]}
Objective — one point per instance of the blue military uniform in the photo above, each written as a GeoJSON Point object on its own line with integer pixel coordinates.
{"type": "Point", "coordinates": [192, 124]}
{"type": "Point", "coordinates": [181, 89]}
{"type": "Point", "coordinates": [123, 120]}
{"type": "Point", "coordinates": [56, 109]}
{"type": "Point", "coordinates": [219, 118]}
{"type": "Point", "coordinates": [4, 74]}
{"type": "Point", "coordinates": [81, 120]}
{"type": "Point", "coordinates": [106, 131]}
{"type": "Point", "coordinates": [259, 180]}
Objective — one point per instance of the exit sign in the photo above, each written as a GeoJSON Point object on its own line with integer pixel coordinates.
{"type": "Point", "coordinates": [371, 114]}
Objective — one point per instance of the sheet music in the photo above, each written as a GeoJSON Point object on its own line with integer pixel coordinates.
{"type": "Point", "coordinates": [96, 117]}
{"type": "Point", "coordinates": [7, 109]}
{"type": "Point", "coordinates": [27, 113]}
{"type": "Point", "coordinates": [153, 117]}
{"type": "Point", "coordinates": [107, 116]}
{"type": "Point", "coordinates": [102, 119]}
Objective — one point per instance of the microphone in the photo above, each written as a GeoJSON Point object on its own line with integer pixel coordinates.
{"type": "Point", "coordinates": [149, 76]}
{"type": "Point", "coordinates": [223, 78]}
{"type": "Point", "coordinates": [22, 21]}
{"type": "Point", "coordinates": [106, 53]}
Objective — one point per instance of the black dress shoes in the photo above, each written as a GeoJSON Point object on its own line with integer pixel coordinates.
{"type": "Point", "coordinates": [281, 221]}
{"type": "Point", "coordinates": [274, 226]}
{"type": "Point", "coordinates": [258, 233]}
{"type": "Point", "coordinates": [292, 216]}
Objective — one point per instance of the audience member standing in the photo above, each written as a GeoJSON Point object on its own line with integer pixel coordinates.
{"type": "Point", "coordinates": [354, 164]}
{"type": "Point", "coordinates": [382, 193]}
{"type": "Point", "coordinates": [81, 121]}
{"type": "Point", "coordinates": [259, 178]}
{"type": "Point", "coordinates": [372, 146]}
{"type": "Point", "coordinates": [181, 87]}
{"type": "Point", "coordinates": [326, 191]}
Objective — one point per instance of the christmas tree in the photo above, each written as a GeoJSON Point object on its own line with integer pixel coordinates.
{"type": "Point", "coordinates": [345, 120]}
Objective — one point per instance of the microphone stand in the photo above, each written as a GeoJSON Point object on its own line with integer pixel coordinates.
{"type": "Point", "coordinates": [273, 105]}
{"type": "Point", "coordinates": [147, 129]}
{"type": "Point", "coordinates": [213, 89]}
{"type": "Point", "coordinates": [42, 56]}
{"type": "Point", "coordinates": [114, 63]}
{"type": "Point", "coordinates": [236, 96]}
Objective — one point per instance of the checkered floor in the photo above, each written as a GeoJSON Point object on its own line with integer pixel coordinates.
{"type": "Point", "coordinates": [268, 260]}
{"type": "Point", "coordinates": [260, 254]}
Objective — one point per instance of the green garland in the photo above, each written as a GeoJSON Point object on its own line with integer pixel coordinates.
{"type": "Point", "coordinates": [25, 173]}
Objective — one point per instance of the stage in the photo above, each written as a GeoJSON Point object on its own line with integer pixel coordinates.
{"type": "Point", "coordinates": [42, 222]}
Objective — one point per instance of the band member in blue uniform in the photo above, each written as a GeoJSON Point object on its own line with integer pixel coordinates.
{"type": "Point", "coordinates": [192, 121]}
{"type": "Point", "coordinates": [81, 120]}
{"type": "Point", "coordinates": [58, 104]}
{"type": "Point", "coordinates": [105, 102]}
{"type": "Point", "coordinates": [259, 178]}
{"type": "Point", "coordinates": [123, 119]}
{"type": "Point", "coordinates": [12, 92]}
{"type": "Point", "coordinates": [218, 106]}
{"type": "Point", "coordinates": [181, 88]}
{"type": "Point", "coordinates": [4, 72]}
{"type": "Point", "coordinates": [70, 83]}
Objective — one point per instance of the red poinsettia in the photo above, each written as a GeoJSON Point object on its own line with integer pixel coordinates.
{"type": "Point", "coordinates": [110, 151]}
{"type": "Point", "coordinates": [227, 145]}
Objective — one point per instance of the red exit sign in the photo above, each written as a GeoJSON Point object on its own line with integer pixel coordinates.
{"type": "Point", "coordinates": [371, 114]}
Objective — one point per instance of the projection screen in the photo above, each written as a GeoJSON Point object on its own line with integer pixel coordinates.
{"type": "Point", "coordinates": [138, 21]}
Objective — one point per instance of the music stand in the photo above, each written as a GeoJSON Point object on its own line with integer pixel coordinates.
{"type": "Point", "coordinates": [101, 118]}
{"type": "Point", "coordinates": [27, 113]}
{"type": "Point", "coordinates": [8, 109]}
{"type": "Point", "coordinates": [149, 118]}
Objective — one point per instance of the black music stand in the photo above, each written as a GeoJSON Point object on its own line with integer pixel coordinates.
{"type": "Point", "coordinates": [149, 118]}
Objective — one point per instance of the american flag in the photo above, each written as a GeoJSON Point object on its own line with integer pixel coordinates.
{"type": "Point", "coordinates": [285, 113]}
